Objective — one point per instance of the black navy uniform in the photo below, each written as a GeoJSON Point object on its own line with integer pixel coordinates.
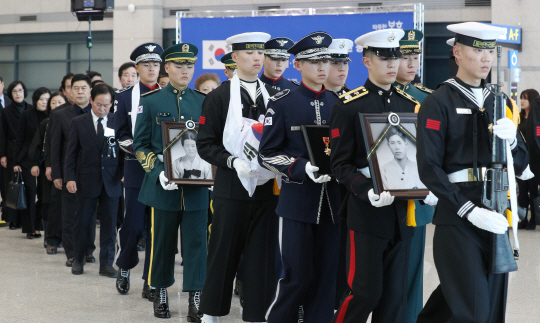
{"type": "Point", "coordinates": [446, 125]}
{"type": "Point", "coordinates": [280, 84]}
{"type": "Point", "coordinates": [309, 227]}
{"type": "Point", "coordinates": [242, 224]}
{"type": "Point", "coordinates": [379, 237]}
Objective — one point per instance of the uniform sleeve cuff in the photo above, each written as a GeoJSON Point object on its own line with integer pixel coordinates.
{"type": "Point", "coordinates": [465, 208]}
{"type": "Point", "coordinates": [513, 144]}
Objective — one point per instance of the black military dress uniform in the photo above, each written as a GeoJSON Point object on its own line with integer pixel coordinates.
{"type": "Point", "coordinates": [280, 84]}
{"type": "Point", "coordinates": [242, 225]}
{"type": "Point", "coordinates": [446, 125]}
{"type": "Point", "coordinates": [379, 239]}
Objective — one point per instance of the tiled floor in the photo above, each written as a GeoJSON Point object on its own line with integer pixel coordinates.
{"type": "Point", "coordinates": [36, 287]}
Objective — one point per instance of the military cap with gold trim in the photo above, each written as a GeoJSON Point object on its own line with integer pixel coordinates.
{"type": "Point", "coordinates": [248, 41]}
{"type": "Point", "coordinates": [181, 53]}
{"type": "Point", "coordinates": [477, 35]}
{"type": "Point", "coordinates": [409, 44]}
{"type": "Point", "coordinates": [147, 52]}
{"type": "Point", "coordinates": [228, 61]}
{"type": "Point", "coordinates": [383, 43]}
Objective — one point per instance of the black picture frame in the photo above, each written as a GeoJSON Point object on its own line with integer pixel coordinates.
{"type": "Point", "coordinates": [374, 131]}
{"type": "Point", "coordinates": [173, 131]}
{"type": "Point", "coordinates": [314, 137]}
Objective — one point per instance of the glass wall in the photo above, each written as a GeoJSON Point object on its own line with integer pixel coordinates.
{"type": "Point", "coordinates": [43, 59]}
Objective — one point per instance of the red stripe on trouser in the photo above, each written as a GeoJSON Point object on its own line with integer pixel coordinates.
{"type": "Point", "coordinates": [352, 269]}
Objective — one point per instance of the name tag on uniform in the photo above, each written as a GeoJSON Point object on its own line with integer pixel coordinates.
{"type": "Point", "coordinates": [295, 128]}
{"type": "Point", "coordinates": [463, 111]}
{"type": "Point", "coordinates": [164, 114]}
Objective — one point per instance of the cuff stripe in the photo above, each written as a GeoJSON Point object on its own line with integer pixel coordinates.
{"type": "Point", "coordinates": [465, 208]}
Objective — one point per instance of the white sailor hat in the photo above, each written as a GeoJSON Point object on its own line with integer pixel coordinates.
{"type": "Point", "coordinates": [383, 43]}
{"type": "Point", "coordinates": [477, 35]}
{"type": "Point", "coordinates": [248, 41]}
{"type": "Point", "coordinates": [339, 49]}
{"type": "Point", "coordinates": [451, 42]}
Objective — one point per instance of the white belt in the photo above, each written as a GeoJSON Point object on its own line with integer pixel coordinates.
{"type": "Point", "coordinates": [365, 172]}
{"type": "Point", "coordinates": [466, 175]}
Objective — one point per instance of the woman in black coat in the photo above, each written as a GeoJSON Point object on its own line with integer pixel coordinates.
{"type": "Point", "coordinates": [35, 154]}
{"type": "Point", "coordinates": [8, 132]}
{"type": "Point", "coordinates": [28, 125]}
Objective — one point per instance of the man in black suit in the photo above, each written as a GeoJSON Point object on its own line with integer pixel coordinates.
{"type": "Point", "coordinates": [60, 131]}
{"type": "Point", "coordinates": [93, 171]}
{"type": "Point", "coordinates": [4, 100]}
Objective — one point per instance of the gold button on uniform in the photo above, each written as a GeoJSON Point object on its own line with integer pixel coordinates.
{"type": "Point", "coordinates": [181, 117]}
{"type": "Point", "coordinates": [180, 98]}
{"type": "Point", "coordinates": [388, 100]}
{"type": "Point", "coordinates": [175, 91]}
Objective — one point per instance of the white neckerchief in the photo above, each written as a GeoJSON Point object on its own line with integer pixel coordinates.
{"type": "Point", "coordinates": [95, 121]}
{"type": "Point", "coordinates": [135, 99]}
{"type": "Point", "coordinates": [479, 95]}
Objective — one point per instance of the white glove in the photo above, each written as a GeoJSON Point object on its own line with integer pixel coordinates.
{"type": "Point", "coordinates": [488, 220]}
{"type": "Point", "coordinates": [242, 168]}
{"type": "Point", "coordinates": [526, 175]}
{"type": "Point", "coordinates": [505, 129]}
{"type": "Point", "coordinates": [431, 199]}
{"type": "Point", "coordinates": [165, 182]}
{"type": "Point", "coordinates": [211, 188]}
{"type": "Point", "coordinates": [383, 199]}
{"type": "Point", "coordinates": [310, 171]}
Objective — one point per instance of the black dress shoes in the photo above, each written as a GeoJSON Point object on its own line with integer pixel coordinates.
{"type": "Point", "coordinates": [30, 236]}
{"type": "Point", "coordinates": [69, 262]}
{"type": "Point", "coordinates": [148, 292]}
{"type": "Point", "coordinates": [141, 244]}
{"type": "Point", "coordinates": [12, 226]}
{"type": "Point", "coordinates": [122, 281]}
{"type": "Point", "coordinates": [194, 315]}
{"type": "Point", "coordinates": [90, 258]}
{"type": "Point", "coordinates": [77, 268]}
{"type": "Point", "coordinates": [51, 250]}
{"type": "Point", "coordinates": [108, 271]}
{"type": "Point", "coordinates": [161, 304]}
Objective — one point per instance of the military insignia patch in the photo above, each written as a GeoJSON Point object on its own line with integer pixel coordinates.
{"type": "Point", "coordinates": [280, 95]}
{"type": "Point", "coordinates": [335, 133]}
{"type": "Point", "coordinates": [268, 121]}
{"type": "Point", "coordinates": [411, 35]}
{"type": "Point", "coordinates": [433, 124]}
{"type": "Point", "coordinates": [150, 48]}
{"type": "Point", "coordinates": [185, 48]}
{"type": "Point", "coordinates": [139, 109]}
{"type": "Point", "coordinates": [341, 45]}
{"type": "Point", "coordinates": [282, 42]}
{"type": "Point", "coordinates": [424, 89]}
{"type": "Point", "coordinates": [318, 40]}
{"type": "Point", "coordinates": [537, 131]}
{"type": "Point", "coordinates": [202, 120]}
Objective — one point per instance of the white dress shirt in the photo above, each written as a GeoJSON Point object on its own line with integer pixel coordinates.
{"type": "Point", "coordinates": [95, 119]}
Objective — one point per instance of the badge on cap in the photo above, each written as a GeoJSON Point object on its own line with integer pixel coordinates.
{"type": "Point", "coordinates": [185, 48]}
{"type": "Point", "coordinates": [391, 38]}
{"type": "Point", "coordinates": [318, 39]}
{"type": "Point", "coordinates": [282, 42]}
{"type": "Point", "coordinates": [411, 35]}
{"type": "Point", "coordinates": [150, 48]}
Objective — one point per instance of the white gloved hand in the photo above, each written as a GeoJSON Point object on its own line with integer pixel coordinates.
{"type": "Point", "coordinates": [383, 199]}
{"type": "Point", "coordinates": [505, 129]}
{"type": "Point", "coordinates": [165, 182]}
{"type": "Point", "coordinates": [526, 175]}
{"type": "Point", "coordinates": [242, 168]}
{"type": "Point", "coordinates": [310, 171]}
{"type": "Point", "coordinates": [431, 199]}
{"type": "Point", "coordinates": [488, 220]}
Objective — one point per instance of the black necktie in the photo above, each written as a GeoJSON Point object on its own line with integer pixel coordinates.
{"type": "Point", "coordinates": [100, 131]}
{"type": "Point", "coordinates": [194, 172]}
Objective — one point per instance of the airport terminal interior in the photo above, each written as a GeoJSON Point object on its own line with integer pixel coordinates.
{"type": "Point", "coordinates": [41, 41]}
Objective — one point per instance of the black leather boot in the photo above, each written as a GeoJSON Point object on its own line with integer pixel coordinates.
{"type": "Point", "coordinates": [148, 291]}
{"type": "Point", "coordinates": [122, 281]}
{"type": "Point", "coordinates": [194, 315]}
{"type": "Point", "coordinates": [161, 304]}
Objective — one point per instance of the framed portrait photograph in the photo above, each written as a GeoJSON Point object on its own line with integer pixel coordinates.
{"type": "Point", "coordinates": [183, 165]}
{"type": "Point", "coordinates": [317, 139]}
{"type": "Point", "coordinates": [390, 141]}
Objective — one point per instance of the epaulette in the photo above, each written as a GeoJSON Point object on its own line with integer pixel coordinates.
{"type": "Point", "coordinates": [199, 92]}
{"type": "Point", "coordinates": [410, 98]}
{"type": "Point", "coordinates": [280, 95]}
{"type": "Point", "coordinates": [295, 82]}
{"type": "Point", "coordinates": [124, 89]}
{"type": "Point", "coordinates": [424, 89]}
{"type": "Point", "coordinates": [354, 94]}
{"type": "Point", "coordinates": [153, 91]}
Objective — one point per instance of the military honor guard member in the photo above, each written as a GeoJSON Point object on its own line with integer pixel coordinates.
{"type": "Point", "coordinates": [454, 142]}
{"type": "Point", "coordinates": [147, 58]}
{"type": "Point", "coordinates": [410, 47]}
{"type": "Point", "coordinates": [339, 65]}
{"type": "Point", "coordinates": [276, 61]}
{"type": "Point", "coordinates": [94, 171]}
{"type": "Point", "coordinates": [172, 205]}
{"type": "Point", "coordinates": [243, 225]}
{"type": "Point", "coordinates": [230, 65]}
{"type": "Point", "coordinates": [378, 237]}
{"type": "Point", "coordinates": [309, 227]}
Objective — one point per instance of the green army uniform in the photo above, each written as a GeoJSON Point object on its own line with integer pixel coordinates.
{"type": "Point", "coordinates": [187, 206]}
{"type": "Point", "coordinates": [423, 213]}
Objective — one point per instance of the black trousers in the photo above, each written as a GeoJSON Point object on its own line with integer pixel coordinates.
{"type": "Point", "coordinates": [54, 222]}
{"type": "Point", "coordinates": [239, 228]}
{"type": "Point", "coordinates": [69, 208]}
{"type": "Point", "coordinates": [31, 218]}
{"type": "Point", "coordinates": [468, 292]}
{"type": "Point", "coordinates": [528, 191]}
{"type": "Point", "coordinates": [310, 261]}
{"type": "Point", "coordinates": [85, 221]}
{"type": "Point", "coordinates": [132, 229]}
{"type": "Point", "coordinates": [377, 275]}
